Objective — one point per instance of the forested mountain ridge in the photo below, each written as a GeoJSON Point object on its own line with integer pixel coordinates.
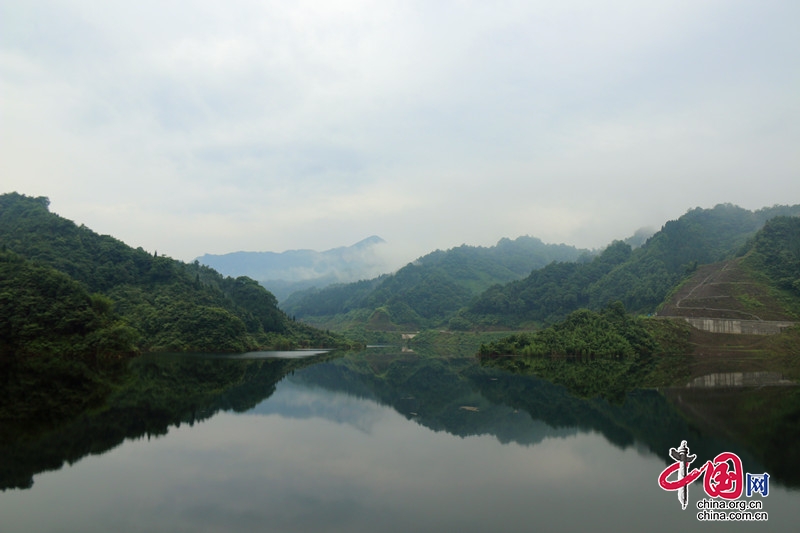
{"type": "Point", "coordinates": [640, 278]}
{"type": "Point", "coordinates": [761, 284]}
{"type": "Point", "coordinates": [432, 288]}
{"type": "Point", "coordinates": [154, 302]}
{"type": "Point", "coordinates": [467, 288]}
{"type": "Point", "coordinates": [617, 351]}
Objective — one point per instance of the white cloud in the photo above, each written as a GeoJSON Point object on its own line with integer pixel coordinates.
{"type": "Point", "coordinates": [274, 125]}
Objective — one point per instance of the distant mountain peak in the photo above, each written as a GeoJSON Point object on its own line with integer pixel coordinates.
{"type": "Point", "coordinates": [372, 240]}
{"type": "Point", "coordinates": [369, 242]}
{"type": "Point", "coordinates": [287, 271]}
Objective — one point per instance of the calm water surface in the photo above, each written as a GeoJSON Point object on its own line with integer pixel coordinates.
{"type": "Point", "coordinates": [373, 441]}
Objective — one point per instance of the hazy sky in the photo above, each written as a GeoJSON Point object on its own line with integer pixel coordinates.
{"type": "Point", "coordinates": [193, 127]}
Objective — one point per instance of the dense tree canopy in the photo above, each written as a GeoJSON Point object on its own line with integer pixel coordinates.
{"type": "Point", "coordinates": [45, 311]}
{"type": "Point", "coordinates": [169, 305]}
{"type": "Point", "coordinates": [468, 287]}
{"type": "Point", "coordinates": [432, 289]}
{"type": "Point", "coordinates": [776, 252]}
{"type": "Point", "coordinates": [611, 333]}
{"type": "Point", "coordinates": [639, 278]}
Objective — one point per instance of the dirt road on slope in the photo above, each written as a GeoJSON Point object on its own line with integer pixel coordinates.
{"type": "Point", "coordinates": [724, 290]}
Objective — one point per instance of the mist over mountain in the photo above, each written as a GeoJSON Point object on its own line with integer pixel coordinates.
{"type": "Point", "coordinates": [526, 282]}
{"type": "Point", "coordinates": [639, 237]}
{"type": "Point", "coordinates": [432, 288]}
{"type": "Point", "coordinates": [283, 273]}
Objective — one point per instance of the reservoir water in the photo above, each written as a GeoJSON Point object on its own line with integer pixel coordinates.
{"type": "Point", "coordinates": [385, 440]}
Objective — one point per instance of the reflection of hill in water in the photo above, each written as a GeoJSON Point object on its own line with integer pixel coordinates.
{"type": "Point", "coordinates": [455, 395]}
{"type": "Point", "coordinates": [431, 392]}
{"type": "Point", "coordinates": [765, 420]}
{"type": "Point", "coordinates": [301, 402]}
{"type": "Point", "coordinates": [462, 398]}
{"type": "Point", "coordinates": [159, 392]}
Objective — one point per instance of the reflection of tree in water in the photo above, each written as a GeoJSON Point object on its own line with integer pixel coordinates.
{"type": "Point", "coordinates": [760, 424]}
{"type": "Point", "coordinates": [525, 409]}
{"type": "Point", "coordinates": [453, 394]}
{"type": "Point", "coordinates": [765, 420]}
{"type": "Point", "coordinates": [155, 393]}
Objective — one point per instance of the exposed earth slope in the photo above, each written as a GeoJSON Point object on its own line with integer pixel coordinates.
{"type": "Point", "coordinates": [726, 290]}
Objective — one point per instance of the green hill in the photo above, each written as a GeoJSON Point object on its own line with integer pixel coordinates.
{"type": "Point", "coordinates": [430, 290]}
{"type": "Point", "coordinates": [67, 289]}
{"type": "Point", "coordinates": [44, 310]}
{"type": "Point", "coordinates": [597, 352]}
{"type": "Point", "coordinates": [763, 284]}
{"type": "Point", "coordinates": [524, 282]}
{"type": "Point", "coordinates": [640, 278]}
